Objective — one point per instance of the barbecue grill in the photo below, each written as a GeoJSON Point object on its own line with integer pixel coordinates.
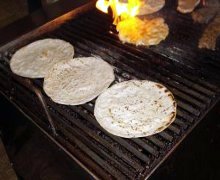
{"type": "Point", "coordinates": [191, 74]}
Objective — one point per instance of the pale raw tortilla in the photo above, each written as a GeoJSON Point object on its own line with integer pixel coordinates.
{"type": "Point", "coordinates": [135, 108]}
{"type": "Point", "coordinates": [78, 80]}
{"type": "Point", "coordinates": [35, 59]}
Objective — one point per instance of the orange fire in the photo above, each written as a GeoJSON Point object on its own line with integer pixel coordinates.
{"type": "Point", "coordinates": [121, 10]}
{"type": "Point", "coordinates": [132, 29]}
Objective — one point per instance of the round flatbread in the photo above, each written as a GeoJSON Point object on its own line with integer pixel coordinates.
{"type": "Point", "coordinates": [150, 6]}
{"type": "Point", "coordinates": [187, 6]}
{"type": "Point", "coordinates": [78, 80]}
{"type": "Point", "coordinates": [35, 59]}
{"type": "Point", "coordinates": [145, 32]}
{"type": "Point", "coordinates": [135, 108]}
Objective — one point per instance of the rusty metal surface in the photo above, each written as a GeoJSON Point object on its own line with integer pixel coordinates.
{"type": "Point", "coordinates": [191, 74]}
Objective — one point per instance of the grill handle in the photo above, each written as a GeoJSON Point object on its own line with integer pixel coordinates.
{"type": "Point", "coordinates": [42, 101]}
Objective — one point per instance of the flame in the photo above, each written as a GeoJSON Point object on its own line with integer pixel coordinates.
{"type": "Point", "coordinates": [132, 29]}
{"type": "Point", "coordinates": [103, 5]}
{"type": "Point", "coordinates": [121, 11]}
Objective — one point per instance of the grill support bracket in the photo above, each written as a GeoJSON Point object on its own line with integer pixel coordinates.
{"type": "Point", "coordinates": [44, 105]}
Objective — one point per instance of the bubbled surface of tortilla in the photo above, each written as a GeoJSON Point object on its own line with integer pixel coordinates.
{"type": "Point", "coordinates": [36, 59]}
{"type": "Point", "coordinates": [135, 108]}
{"type": "Point", "coordinates": [78, 80]}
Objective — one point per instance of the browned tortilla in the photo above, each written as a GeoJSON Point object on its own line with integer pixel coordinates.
{"type": "Point", "coordinates": [187, 6]}
{"type": "Point", "coordinates": [211, 3]}
{"type": "Point", "coordinates": [208, 12]}
{"type": "Point", "coordinates": [148, 6]}
{"type": "Point", "coordinates": [210, 35]}
{"type": "Point", "coordinates": [205, 15]}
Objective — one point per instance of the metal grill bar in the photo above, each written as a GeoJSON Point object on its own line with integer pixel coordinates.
{"type": "Point", "coordinates": [95, 27]}
{"type": "Point", "coordinates": [191, 109]}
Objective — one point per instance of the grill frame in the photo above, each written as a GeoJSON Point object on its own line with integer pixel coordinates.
{"type": "Point", "coordinates": [196, 93]}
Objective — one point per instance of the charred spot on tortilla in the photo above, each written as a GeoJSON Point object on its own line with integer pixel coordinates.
{"type": "Point", "coordinates": [159, 86]}
{"type": "Point", "coordinates": [167, 124]}
{"type": "Point", "coordinates": [173, 115]}
{"type": "Point", "coordinates": [160, 129]}
{"type": "Point", "coordinates": [171, 96]}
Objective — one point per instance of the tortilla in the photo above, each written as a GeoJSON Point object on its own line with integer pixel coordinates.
{"type": "Point", "coordinates": [150, 6]}
{"type": "Point", "coordinates": [187, 6]}
{"type": "Point", "coordinates": [211, 34]}
{"type": "Point", "coordinates": [142, 32]}
{"type": "Point", "coordinates": [135, 108]}
{"type": "Point", "coordinates": [35, 59]}
{"type": "Point", "coordinates": [205, 14]}
{"type": "Point", "coordinates": [78, 80]}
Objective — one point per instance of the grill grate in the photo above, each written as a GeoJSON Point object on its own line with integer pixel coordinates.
{"type": "Point", "coordinates": [171, 63]}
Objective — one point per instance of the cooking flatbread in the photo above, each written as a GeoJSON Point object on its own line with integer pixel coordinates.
{"type": "Point", "coordinates": [208, 12]}
{"type": "Point", "coordinates": [78, 80]}
{"type": "Point", "coordinates": [204, 15]}
{"type": "Point", "coordinates": [148, 6]}
{"type": "Point", "coordinates": [211, 34]}
{"type": "Point", "coordinates": [135, 108]}
{"type": "Point", "coordinates": [142, 32]}
{"type": "Point", "coordinates": [35, 59]}
{"type": "Point", "coordinates": [187, 6]}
